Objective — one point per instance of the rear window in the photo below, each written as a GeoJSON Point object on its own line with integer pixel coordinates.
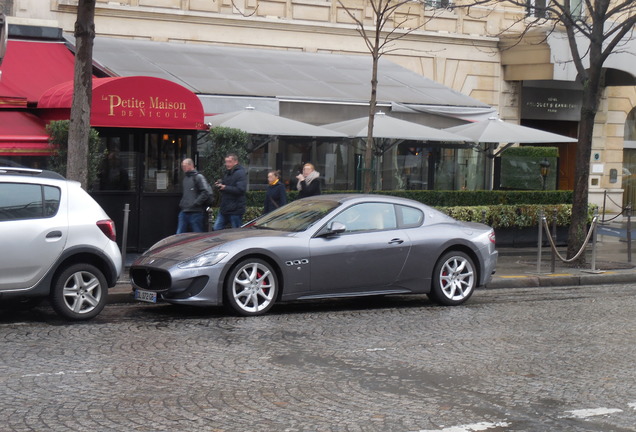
{"type": "Point", "coordinates": [410, 217]}
{"type": "Point", "coordinates": [20, 201]}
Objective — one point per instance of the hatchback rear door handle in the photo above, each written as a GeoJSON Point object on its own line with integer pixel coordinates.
{"type": "Point", "coordinates": [396, 241]}
{"type": "Point", "coordinates": [54, 234]}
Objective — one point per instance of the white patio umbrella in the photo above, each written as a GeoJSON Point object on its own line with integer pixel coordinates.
{"type": "Point", "coordinates": [385, 126]}
{"type": "Point", "coordinates": [260, 123]}
{"type": "Point", "coordinates": [495, 130]}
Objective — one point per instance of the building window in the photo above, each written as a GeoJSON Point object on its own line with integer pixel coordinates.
{"type": "Point", "coordinates": [537, 8]}
{"type": "Point", "coordinates": [576, 8]}
{"type": "Point", "coordinates": [438, 4]}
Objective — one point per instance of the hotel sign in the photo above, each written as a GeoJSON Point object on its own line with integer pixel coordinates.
{"type": "Point", "coordinates": [540, 103]}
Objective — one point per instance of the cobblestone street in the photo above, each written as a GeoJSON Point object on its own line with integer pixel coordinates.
{"type": "Point", "coordinates": [559, 359]}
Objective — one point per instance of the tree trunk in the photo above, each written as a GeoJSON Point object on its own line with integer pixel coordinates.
{"type": "Point", "coordinates": [79, 128]}
{"type": "Point", "coordinates": [370, 145]}
{"type": "Point", "coordinates": [578, 225]}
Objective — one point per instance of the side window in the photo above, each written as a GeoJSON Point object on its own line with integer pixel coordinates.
{"type": "Point", "coordinates": [51, 200]}
{"type": "Point", "coordinates": [410, 217]}
{"type": "Point", "coordinates": [368, 217]}
{"type": "Point", "coordinates": [25, 201]}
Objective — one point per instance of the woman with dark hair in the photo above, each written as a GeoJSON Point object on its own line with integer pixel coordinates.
{"type": "Point", "coordinates": [308, 182]}
{"type": "Point", "coordinates": [276, 195]}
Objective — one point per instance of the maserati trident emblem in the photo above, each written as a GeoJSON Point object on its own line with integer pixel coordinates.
{"type": "Point", "coordinates": [148, 279]}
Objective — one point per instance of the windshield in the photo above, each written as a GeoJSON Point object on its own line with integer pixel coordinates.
{"type": "Point", "coordinates": [296, 216]}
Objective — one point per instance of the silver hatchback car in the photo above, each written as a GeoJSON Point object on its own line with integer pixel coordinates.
{"type": "Point", "coordinates": [56, 242]}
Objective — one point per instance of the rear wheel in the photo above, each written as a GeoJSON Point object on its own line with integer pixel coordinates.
{"type": "Point", "coordinates": [79, 292]}
{"type": "Point", "coordinates": [454, 279]}
{"type": "Point", "coordinates": [251, 287]}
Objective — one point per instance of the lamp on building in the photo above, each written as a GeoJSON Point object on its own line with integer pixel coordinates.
{"type": "Point", "coordinates": [545, 169]}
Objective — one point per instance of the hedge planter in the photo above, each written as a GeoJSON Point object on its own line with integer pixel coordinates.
{"type": "Point", "coordinates": [524, 237]}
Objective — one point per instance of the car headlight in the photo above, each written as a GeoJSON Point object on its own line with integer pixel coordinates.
{"type": "Point", "coordinates": [204, 260]}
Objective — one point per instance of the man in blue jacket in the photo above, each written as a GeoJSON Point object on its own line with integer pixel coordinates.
{"type": "Point", "coordinates": [232, 188]}
{"type": "Point", "coordinates": [193, 202]}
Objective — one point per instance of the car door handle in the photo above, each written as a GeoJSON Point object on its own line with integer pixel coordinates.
{"type": "Point", "coordinates": [54, 234]}
{"type": "Point", "coordinates": [396, 241]}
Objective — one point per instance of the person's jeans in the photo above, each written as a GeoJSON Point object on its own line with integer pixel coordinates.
{"type": "Point", "coordinates": [190, 222]}
{"type": "Point", "coordinates": [222, 219]}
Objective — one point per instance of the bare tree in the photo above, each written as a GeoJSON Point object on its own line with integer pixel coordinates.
{"type": "Point", "coordinates": [79, 129]}
{"type": "Point", "coordinates": [387, 28]}
{"type": "Point", "coordinates": [595, 29]}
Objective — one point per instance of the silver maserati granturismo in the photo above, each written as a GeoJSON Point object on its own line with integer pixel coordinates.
{"type": "Point", "coordinates": [321, 247]}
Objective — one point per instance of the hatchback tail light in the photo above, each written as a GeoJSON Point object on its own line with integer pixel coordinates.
{"type": "Point", "coordinates": [108, 228]}
{"type": "Point", "coordinates": [491, 236]}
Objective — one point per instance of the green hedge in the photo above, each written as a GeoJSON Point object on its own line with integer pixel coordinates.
{"type": "Point", "coordinates": [452, 198]}
{"type": "Point", "coordinates": [514, 216]}
{"type": "Point", "coordinates": [497, 216]}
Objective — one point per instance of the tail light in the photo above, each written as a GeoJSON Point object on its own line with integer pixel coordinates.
{"type": "Point", "coordinates": [491, 237]}
{"type": "Point", "coordinates": [108, 228]}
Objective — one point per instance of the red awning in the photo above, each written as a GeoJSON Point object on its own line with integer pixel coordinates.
{"type": "Point", "coordinates": [30, 68]}
{"type": "Point", "coordinates": [131, 102]}
{"type": "Point", "coordinates": [22, 134]}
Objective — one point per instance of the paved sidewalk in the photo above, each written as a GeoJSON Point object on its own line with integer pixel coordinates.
{"type": "Point", "coordinates": [517, 267]}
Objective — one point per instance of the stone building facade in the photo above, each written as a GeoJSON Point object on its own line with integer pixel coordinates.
{"type": "Point", "coordinates": [473, 52]}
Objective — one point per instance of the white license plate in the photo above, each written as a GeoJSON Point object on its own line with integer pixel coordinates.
{"type": "Point", "coordinates": [146, 296]}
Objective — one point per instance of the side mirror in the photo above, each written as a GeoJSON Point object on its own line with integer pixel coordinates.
{"type": "Point", "coordinates": [336, 227]}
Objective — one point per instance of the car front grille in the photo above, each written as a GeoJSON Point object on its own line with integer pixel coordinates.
{"type": "Point", "coordinates": [151, 279]}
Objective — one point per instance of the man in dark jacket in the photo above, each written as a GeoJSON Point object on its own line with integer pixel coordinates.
{"type": "Point", "coordinates": [195, 195]}
{"type": "Point", "coordinates": [232, 187]}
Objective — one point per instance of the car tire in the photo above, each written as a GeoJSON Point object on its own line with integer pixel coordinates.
{"type": "Point", "coordinates": [251, 287]}
{"type": "Point", "coordinates": [454, 279]}
{"type": "Point", "coordinates": [79, 292]}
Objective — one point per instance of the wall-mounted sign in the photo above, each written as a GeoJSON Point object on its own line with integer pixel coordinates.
{"type": "Point", "coordinates": [540, 103]}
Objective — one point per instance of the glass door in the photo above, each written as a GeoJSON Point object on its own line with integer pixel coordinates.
{"type": "Point", "coordinates": [161, 189]}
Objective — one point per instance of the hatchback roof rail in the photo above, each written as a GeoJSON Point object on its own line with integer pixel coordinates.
{"type": "Point", "coordinates": [30, 171]}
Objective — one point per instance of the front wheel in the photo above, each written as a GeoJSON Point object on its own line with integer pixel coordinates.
{"type": "Point", "coordinates": [79, 292]}
{"type": "Point", "coordinates": [251, 287]}
{"type": "Point", "coordinates": [454, 279]}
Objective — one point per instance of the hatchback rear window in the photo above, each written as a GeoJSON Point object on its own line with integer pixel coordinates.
{"type": "Point", "coordinates": [19, 201]}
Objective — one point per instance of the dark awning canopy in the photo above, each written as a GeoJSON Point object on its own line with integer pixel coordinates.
{"type": "Point", "coordinates": [274, 74]}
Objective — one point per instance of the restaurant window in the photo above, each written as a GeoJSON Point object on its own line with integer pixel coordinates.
{"type": "Point", "coordinates": [163, 153]}
{"type": "Point", "coordinates": [412, 167]}
{"type": "Point", "coordinates": [119, 171]}
{"type": "Point", "coordinates": [258, 165]}
{"type": "Point", "coordinates": [459, 169]}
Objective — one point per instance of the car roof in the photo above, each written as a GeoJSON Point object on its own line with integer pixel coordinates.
{"type": "Point", "coordinates": [30, 172]}
{"type": "Point", "coordinates": [362, 197]}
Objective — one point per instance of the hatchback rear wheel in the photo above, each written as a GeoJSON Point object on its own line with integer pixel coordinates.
{"type": "Point", "coordinates": [454, 279]}
{"type": "Point", "coordinates": [251, 287]}
{"type": "Point", "coordinates": [79, 292]}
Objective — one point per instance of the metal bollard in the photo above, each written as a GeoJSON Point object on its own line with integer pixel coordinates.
{"type": "Point", "coordinates": [124, 237]}
{"type": "Point", "coordinates": [554, 240]}
{"type": "Point", "coordinates": [540, 241]}
{"type": "Point", "coordinates": [594, 222]}
{"type": "Point", "coordinates": [629, 232]}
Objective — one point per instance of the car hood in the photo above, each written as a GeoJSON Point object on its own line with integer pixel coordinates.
{"type": "Point", "coordinates": [182, 247]}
